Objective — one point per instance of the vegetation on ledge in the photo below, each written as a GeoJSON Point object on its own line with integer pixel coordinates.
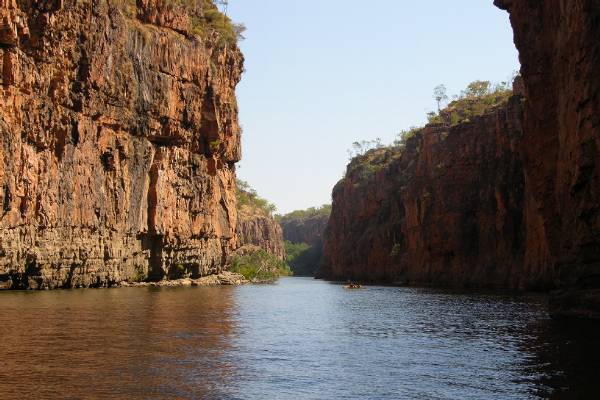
{"type": "Point", "coordinates": [214, 20]}
{"type": "Point", "coordinates": [205, 18]}
{"type": "Point", "coordinates": [479, 98]}
{"type": "Point", "coordinates": [256, 265]}
{"type": "Point", "coordinates": [248, 200]}
{"type": "Point", "coordinates": [302, 215]}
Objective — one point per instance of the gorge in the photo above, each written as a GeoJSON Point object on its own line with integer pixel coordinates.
{"type": "Point", "coordinates": [120, 136]}
{"type": "Point", "coordinates": [461, 261]}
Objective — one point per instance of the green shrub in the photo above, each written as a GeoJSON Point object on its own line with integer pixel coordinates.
{"type": "Point", "coordinates": [214, 20]}
{"type": "Point", "coordinates": [479, 98]}
{"type": "Point", "coordinates": [302, 215]}
{"type": "Point", "coordinates": [215, 145]}
{"type": "Point", "coordinates": [140, 275]}
{"type": "Point", "coordinates": [197, 26]}
{"type": "Point", "coordinates": [396, 252]}
{"type": "Point", "coordinates": [249, 198]}
{"type": "Point", "coordinates": [259, 266]}
{"type": "Point", "coordinates": [201, 24]}
{"type": "Point", "coordinates": [405, 135]}
{"type": "Point", "coordinates": [293, 250]}
{"type": "Point", "coordinates": [303, 259]}
{"type": "Point", "coordinates": [362, 167]}
{"type": "Point", "coordinates": [128, 7]}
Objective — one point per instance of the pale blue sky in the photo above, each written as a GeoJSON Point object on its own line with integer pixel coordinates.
{"type": "Point", "coordinates": [323, 74]}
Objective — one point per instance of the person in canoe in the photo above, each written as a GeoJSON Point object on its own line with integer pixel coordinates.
{"type": "Point", "coordinates": [353, 285]}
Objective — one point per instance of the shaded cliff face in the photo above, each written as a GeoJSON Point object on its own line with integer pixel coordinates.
{"type": "Point", "coordinates": [305, 230]}
{"type": "Point", "coordinates": [560, 56]}
{"type": "Point", "coordinates": [257, 229]}
{"type": "Point", "coordinates": [445, 209]}
{"type": "Point", "coordinates": [118, 139]}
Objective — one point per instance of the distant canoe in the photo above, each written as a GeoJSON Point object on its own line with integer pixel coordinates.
{"type": "Point", "coordinates": [353, 286]}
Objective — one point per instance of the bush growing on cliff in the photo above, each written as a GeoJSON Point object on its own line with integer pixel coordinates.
{"type": "Point", "coordinates": [203, 21]}
{"type": "Point", "coordinates": [214, 20]}
{"type": "Point", "coordinates": [259, 266]}
{"type": "Point", "coordinates": [129, 8]}
{"type": "Point", "coordinates": [362, 167]}
{"type": "Point", "coordinates": [139, 276]}
{"type": "Point", "coordinates": [479, 98]}
{"type": "Point", "coordinates": [396, 253]}
{"type": "Point", "coordinates": [405, 135]}
{"type": "Point", "coordinates": [248, 198]}
{"type": "Point", "coordinates": [229, 32]}
{"type": "Point", "coordinates": [362, 147]}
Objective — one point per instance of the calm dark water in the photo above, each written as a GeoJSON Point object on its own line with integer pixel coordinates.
{"type": "Point", "coordinates": [298, 339]}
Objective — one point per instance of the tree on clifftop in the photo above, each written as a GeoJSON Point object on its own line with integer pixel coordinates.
{"type": "Point", "coordinates": [439, 94]}
{"type": "Point", "coordinates": [477, 89]}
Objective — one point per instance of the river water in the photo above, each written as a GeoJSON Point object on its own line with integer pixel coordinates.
{"type": "Point", "coordinates": [297, 339]}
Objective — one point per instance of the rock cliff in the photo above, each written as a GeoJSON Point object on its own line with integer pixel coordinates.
{"type": "Point", "coordinates": [118, 142]}
{"type": "Point", "coordinates": [257, 229]}
{"type": "Point", "coordinates": [560, 57]}
{"type": "Point", "coordinates": [443, 209]}
{"type": "Point", "coordinates": [303, 232]}
{"type": "Point", "coordinates": [508, 200]}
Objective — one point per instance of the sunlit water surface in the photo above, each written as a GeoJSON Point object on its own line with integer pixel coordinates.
{"type": "Point", "coordinates": [298, 339]}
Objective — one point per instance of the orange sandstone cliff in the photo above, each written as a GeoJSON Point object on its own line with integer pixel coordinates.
{"type": "Point", "coordinates": [511, 199]}
{"type": "Point", "coordinates": [444, 209]}
{"type": "Point", "coordinates": [260, 229]}
{"type": "Point", "coordinates": [118, 142]}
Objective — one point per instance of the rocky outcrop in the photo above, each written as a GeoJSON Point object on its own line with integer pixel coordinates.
{"type": "Point", "coordinates": [445, 209]}
{"type": "Point", "coordinates": [260, 230]}
{"type": "Point", "coordinates": [560, 64]}
{"type": "Point", "coordinates": [118, 143]}
{"type": "Point", "coordinates": [224, 278]}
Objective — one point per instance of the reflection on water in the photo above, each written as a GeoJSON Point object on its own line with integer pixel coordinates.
{"type": "Point", "coordinates": [126, 343]}
{"type": "Point", "coordinates": [299, 339]}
